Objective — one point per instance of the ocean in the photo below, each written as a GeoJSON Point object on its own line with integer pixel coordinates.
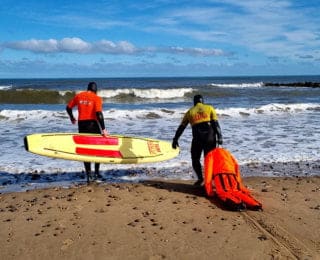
{"type": "Point", "coordinates": [264, 120]}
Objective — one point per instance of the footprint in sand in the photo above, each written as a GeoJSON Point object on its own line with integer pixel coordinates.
{"type": "Point", "coordinates": [66, 243]}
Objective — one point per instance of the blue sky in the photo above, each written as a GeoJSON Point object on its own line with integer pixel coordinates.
{"type": "Point", "coordinates": [86, 38]}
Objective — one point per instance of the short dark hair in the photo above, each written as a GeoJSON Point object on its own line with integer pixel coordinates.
{"type": "Point", "coordinates": [197, 99]}
{"type": "Point", "coordinates": [92, 86]}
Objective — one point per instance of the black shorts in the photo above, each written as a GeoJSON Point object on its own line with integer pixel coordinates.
{"type": "Point", "coordinates": [197, 147]}
{"type": "Point", "coordinates": [89, 126]}
{"type": "Point", "coordinates": [203, 140]}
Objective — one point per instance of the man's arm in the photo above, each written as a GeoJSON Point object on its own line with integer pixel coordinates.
{"type": "Point", "coordinates": [101, 122]}
{"type": "Point", "coordinates": [179, 132]}
{"type": "Point", "coordinates": [217, 130]}
{"type": "Point", "coordinates": [69, 111]}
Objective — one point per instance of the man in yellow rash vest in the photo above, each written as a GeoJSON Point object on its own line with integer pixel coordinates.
{"type": "Point", "coordinates": [206, 132]}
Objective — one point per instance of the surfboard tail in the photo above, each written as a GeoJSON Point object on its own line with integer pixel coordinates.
{"type": "Point", "coordinates": [26, 146]}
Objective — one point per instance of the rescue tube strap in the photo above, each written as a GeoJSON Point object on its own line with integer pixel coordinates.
{"type": "Point", "coordinates": [228, 181]}
{"type": "Point", "coordinates": [226, 173]}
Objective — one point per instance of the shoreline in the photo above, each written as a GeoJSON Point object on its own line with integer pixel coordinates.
{"type": "Point", "coordinates": [39, 180]}
{"type": "Point", "coordinates": [160, 219]}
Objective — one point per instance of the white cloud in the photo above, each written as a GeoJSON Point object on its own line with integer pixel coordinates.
{"type": "Point", "coordinates": [272, 27]}
{"type": "Point", "coordinates": [195, 51]}
{"type": "Point", "coordinates": [122, 47]}
{"type": "Point", "coordinates": [79, 46]}
{"type": "Point", "coordinates": [33, 45]}
{"type": "Point", "coordinates": [76, 45]}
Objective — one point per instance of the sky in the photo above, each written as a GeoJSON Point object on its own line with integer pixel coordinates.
{"type": "Point", "coordinates": [160, 38]}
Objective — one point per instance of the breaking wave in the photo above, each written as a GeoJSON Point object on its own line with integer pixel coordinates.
{"type": "Point", "coordinates": [270, 109]}
{"type": "Point", "coordinates": [40, 96]}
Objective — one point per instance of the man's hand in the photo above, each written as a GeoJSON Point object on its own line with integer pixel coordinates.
{"type": "Point", "coordinates": [105, 132]}
{"type": "Point", "coordinates": [175, 144]}
{"type": "Point", "coordinates": [73, 121]}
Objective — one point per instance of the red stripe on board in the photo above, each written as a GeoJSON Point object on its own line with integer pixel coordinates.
{"type": "Point", "coordinates": [95, 140]}
{"type": "Point", "coordinates": [99, 152]}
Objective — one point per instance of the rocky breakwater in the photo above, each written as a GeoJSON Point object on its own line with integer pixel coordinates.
{"type": "Point", "coordinates": [294, 84]}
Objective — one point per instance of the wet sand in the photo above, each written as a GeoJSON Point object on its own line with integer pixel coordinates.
{"type": "Point", "coordinates": [161, 220]}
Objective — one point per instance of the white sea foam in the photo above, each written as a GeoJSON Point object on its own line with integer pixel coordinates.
{"type": "Point", "coordinates": [270, 109]}
{"type": "Point", "coordinates": [289, 108]}
{"type": "Point", "coordinates": [266, 138]}
{"type": "Point", "coordinates": [116, 114]}
{"type": "Point", "coordinates": [18, 115]}
{"type": "Point", "coordinates": [239, 85]}
{"type": "Point", "coordinates": [5, 87]}
{"type": "Point", "coordinates": [152, 93]}
{"type": "Point", "coordinates": [64, 92]}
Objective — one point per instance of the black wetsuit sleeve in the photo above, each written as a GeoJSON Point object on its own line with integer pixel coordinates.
{"type": "Point", "coordinates": [100, 120]}
{"type": "Point", "coordinates": [179, 132]}
{"type": "Point", "coordinates": [69, 111]}
{"type": "Point", "coordinates": [217, 130]}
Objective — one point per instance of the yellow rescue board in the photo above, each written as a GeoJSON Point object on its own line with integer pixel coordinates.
{"type": "Point", "coordinates": [100, 149]}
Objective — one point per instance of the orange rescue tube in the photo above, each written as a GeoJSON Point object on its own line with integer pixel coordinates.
{"type": "Point", "coordinates": [222, 170]}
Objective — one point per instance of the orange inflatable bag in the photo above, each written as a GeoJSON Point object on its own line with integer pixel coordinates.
{"type": "Point", "coordinates": [222, 170]}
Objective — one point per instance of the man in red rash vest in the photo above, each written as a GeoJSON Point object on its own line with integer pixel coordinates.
{"type": "Point", "coordinates": [90, 118]}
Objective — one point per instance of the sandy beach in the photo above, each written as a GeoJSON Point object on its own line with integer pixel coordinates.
{"type": "Point", "coordinates": [161, 220]}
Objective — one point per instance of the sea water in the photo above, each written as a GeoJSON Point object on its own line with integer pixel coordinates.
{"type": "Point", "coordinates": [260, 124]}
